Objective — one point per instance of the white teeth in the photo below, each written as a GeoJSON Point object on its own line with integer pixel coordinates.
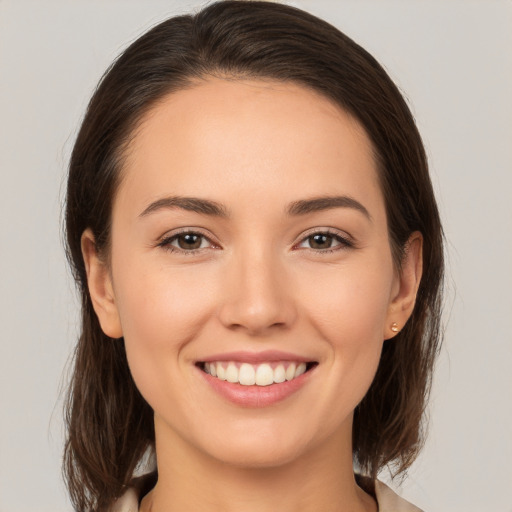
{"type": "Point", "coordinates": [232, 373]}
{"type": "Point", "coordinates": [279, 374]}
{"type": "Point", "coordinates": [300, 369]}
{"type": "Point", "coordinates": [290, 372]}
{"type": "Point", "coordinates": [254, 374]}
{"type": "Point", "coordinates": [247, 375]}
{"type": "Point", "coordinates": [264, 375]}
{"type": "Point", "coordinates": [221, 372]}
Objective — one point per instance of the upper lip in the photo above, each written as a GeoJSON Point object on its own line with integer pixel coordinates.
{"type": "Point", "coordinates": [256, 357]}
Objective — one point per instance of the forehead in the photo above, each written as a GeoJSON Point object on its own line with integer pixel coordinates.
{"type": "Point", "coordinates": [222, 137]}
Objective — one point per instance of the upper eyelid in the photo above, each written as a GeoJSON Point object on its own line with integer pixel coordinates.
{"type": "Point", "coordinates": [340, 234]}
{"type": "Point", "coordinates": [169, 235]}
{"type": "Point", "coordinates": [166, 242]}
{"type": "Point", "coordinates": [345, 241]}
{"type": "Point", "coordinates": [326, 231]}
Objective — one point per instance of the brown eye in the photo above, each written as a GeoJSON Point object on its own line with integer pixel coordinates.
{"type": "Point", "coordinates": [186, 242]}
{"type": "Point", "coordinates": [189, 241]}
{"type": "Point", "coordinates": [320, 241]}
{"type": "Point", "coordinates": [325, 242]}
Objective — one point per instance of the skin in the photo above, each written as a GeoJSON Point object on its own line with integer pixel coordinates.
{"type": "Point", "coordinates": [256, 283]}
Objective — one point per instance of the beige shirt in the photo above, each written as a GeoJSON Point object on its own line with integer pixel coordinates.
{"type": "Point", "coordinates": [387, 500]}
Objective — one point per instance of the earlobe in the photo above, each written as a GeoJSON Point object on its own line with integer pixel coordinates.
{"type": "Point", "coordinates": [100, 286]}
{"type": "Point", "coordinates": [403, 301]}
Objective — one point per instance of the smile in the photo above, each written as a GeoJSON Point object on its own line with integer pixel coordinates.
{"type": "Point", "coordinates": [262, 374]}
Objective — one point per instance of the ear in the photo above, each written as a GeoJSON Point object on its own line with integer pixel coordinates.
{"type": "Point", "coordinates": [406, 287]}
{"type": "Point", "coordinates": [100, 286]}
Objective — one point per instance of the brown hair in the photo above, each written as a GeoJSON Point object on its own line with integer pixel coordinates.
{"type": "Point", "coordinates": [110, 426]}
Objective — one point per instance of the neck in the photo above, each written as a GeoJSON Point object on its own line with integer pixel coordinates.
{"type": "Point", "coordinates": [323, 479]}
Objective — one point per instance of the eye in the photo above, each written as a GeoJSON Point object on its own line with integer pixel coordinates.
{"type": "Point", "coordinates": [187, 241]}
{"type": "Point", "coordinates": [325, 242]}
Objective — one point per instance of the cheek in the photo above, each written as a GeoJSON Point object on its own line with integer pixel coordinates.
{"type": "Point", "coordinates": [351, 303]}
{"type": "Point", "coordinates": [349, 308]}
{"type": "Point", "coordinates": [160, 312]}
{"type": "Point", "coordinates": [158, 303]}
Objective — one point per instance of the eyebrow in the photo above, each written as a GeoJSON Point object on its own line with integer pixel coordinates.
{"type": "Point", "coordinates": [318, 204]}
{"type": "Point", "coordinates": [296, 208]}
{"type": "Point", "coordinates": [192, 204]}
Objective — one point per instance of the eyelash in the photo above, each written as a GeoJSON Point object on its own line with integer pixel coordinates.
{"type": "Point", "coordinates": [166, 242]}
{"type": "Point", "coordinates": [344, 242]}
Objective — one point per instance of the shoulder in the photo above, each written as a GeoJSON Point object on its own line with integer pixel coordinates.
{"type": "Point", "coordinates": [128, 502]}
{"type": "Point", "coordinates": [386, 498]}
{"type": "Point", "coordinates": [389, 501]}
{"type": "Point", "coordinates": [139, 487]}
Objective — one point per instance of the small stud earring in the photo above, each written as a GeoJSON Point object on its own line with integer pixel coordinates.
{"type": "Point", "coordinates": [394, 327]}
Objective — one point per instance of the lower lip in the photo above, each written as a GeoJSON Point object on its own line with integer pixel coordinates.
{"type": "Point", "coordinates": [256, 396]}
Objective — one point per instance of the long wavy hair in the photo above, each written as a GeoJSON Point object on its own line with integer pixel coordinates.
{"type": "Point", "coordinates": [109, 424]}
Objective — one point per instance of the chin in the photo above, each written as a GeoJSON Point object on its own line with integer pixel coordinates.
{"type": "Point", "coordinates": [270, 447]}
{"type": "Point", "coordinates": [262, 456]}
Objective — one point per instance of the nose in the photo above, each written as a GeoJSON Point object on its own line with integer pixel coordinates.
{"type": "Point", "coordinates": [258, 297]}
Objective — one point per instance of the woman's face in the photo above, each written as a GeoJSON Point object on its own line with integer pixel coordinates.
{"type": "Point", "coordinates": [249, 236]}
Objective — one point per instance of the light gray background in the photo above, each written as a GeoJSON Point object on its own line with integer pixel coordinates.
{"type": "Point", "coordinates": [453, 60]}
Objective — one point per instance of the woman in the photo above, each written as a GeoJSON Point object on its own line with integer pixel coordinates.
{"type": "Point", "coordinates": [253, 230]}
